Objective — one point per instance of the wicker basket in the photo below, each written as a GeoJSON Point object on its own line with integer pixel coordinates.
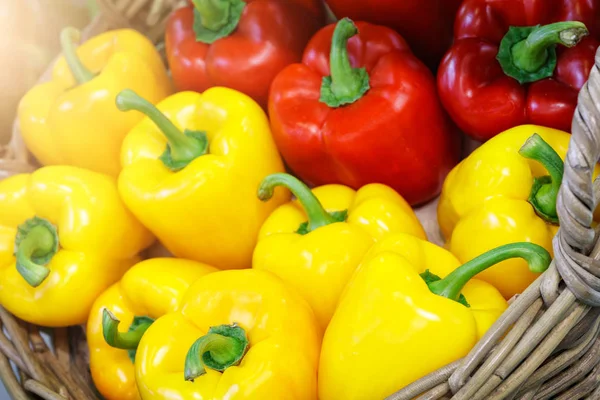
{"type": "Point", "coordinates": [545, 346]}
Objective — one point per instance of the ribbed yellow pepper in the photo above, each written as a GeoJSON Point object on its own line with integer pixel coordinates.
{"type": "Point", "coordinates": [121, 315]}
{"type": "Point", "coordinates": [65, 236]}
{"type": "Point", "coordinates": [72, 119]}
{"type": "Point", "coordinates": [318, 256]}
{"type": "Point", "coordinates": [397, 321]}
{"type": "Point", "coordinates": [196, 189]}
{"type": "Point", "coordinates": [239, 335]}
{"type": "Point", "coordinates": [505, 192]}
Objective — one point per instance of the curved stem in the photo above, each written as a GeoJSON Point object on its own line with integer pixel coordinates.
{"type": "Point", "coordinates": [122, 340]}
{"type": "Point", "coordinates": [532, 53]}
{"type": "Point", "coordinates": [36, 243]}
{"type": "Point", "coordinates": [544, 190]}
{"type": "Point", "coordinates": [536, 256]}
{"type": "Point", "coordinates": [68, 37]}
{"type": "Point", "coordinates": [317, 216]}
{"type": "Point", "coordinates": [346, 84]}
{"type": "Point", "coordinates": [183, 147]}
{"type": "Point", "coordinates": [215, 19]}
{"type": "Point", "coordinates": [214, 13]}
{"type": "Point", "coordinates": [222, 347]}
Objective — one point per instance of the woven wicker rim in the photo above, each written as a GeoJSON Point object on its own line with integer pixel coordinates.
{"type": "Point", "coordinates": [547, 344]}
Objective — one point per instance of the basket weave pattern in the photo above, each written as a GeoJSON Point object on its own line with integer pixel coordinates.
{"type": "Point", "coordinates": [547, 344]}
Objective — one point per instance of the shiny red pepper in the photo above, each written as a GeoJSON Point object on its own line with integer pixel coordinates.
{"type": "Point", "coordinates": [238, 44]}
{"type": "Point", "coordinates": [379, 123]}
{"type": "Point", "coordinates": [497, 76]}
{"type": "Point", "coordinates": [425, 24]}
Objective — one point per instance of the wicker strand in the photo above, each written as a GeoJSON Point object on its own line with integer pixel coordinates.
{"type": "Point", "coordinates": [513, 382]}
{"type": "Point", "coordinates": [484, 376]}
{"type": "Point", "coordinates": [545, 344]}
{"type": "Point", "coordinates": [11, 384]}
{"type": "Point", "coordinates": [575, 374]}
{"type": "Point", "coordinates": [506, 321]}
{"type": "Point", "coordinates": [564, 360]}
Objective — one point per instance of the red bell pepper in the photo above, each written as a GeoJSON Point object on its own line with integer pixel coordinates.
{"type": "Point", "coordinates": [238, 44]}
{"type": "Point", "coordinates": [379, 123]}
{"type": "Point", "coordinates": [503, 70]}
{"type": "Point", "coordinates": [425, 24]}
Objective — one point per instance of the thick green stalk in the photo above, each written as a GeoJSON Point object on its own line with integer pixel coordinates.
{"type": "Point", "coordinates": [183, 147]}
{"type": "Point", "coordinates": [536, 256]}
{"type": "Point", "coordinates": [532, 53]}
{"type": "Point", "coordinates": [317, 216]}
{"type": "Point", "coordinates": [122, 340]}
{"type": "Point", "coordinates": [68, 37]}
{"type": "Point", "coordinates": [36, 243]}
{"type": "Point", "coordinates": [544, 191]}
{"type": "Point", "coordinates": [528, 53]}
{"type": "Point", "coordinates": [215, 19]}
{"type": "Point", "coordinates": [346, 84]}
{"type": "Point", "coordinates": [222, 347]}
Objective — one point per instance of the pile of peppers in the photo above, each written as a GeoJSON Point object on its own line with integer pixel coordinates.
{"type": "Point", "coordinates": [277, 159]}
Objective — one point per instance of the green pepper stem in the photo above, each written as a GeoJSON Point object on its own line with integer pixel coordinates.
{"type": "Point", "coordinates": [222, 347]}
{"type": "Point", "coordinates": [317, 216]}
{"type": "Point", "coordinates": [532, 53]}
{"type": "Point", "coordinates": [183, 148]}
{"type": "Point", "coordinates": [216, 19]}
{"type": "Point", "coordinates": [68, 37]}
{"type": "Point", "coordinates": [36, 243]}
{"type": "Point", "coordinates": [346, 84]}
{"type": "Point", "coordinates": [214, 13]}
{"type": "Point", "coordinates": [121, 340]}
{"type": "Point", "coordinates": [536, 256]}
{"type": "Point", "coordinates": [543, 193]}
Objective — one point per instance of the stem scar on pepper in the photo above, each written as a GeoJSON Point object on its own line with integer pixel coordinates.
{"type": "Point", "coordinates": [68, 37]}
{"type": "Point", "coordinates": [222, 347]}
{"type": "Point", "coordinates": [35, 245]}
{"type": "Point", "coordinates": [215, 19]}
{"type": "Point", "coordinates": [124, 340]}
{"type": "Point", "coordinates": [317, 216]}
{"type": "Point", "coordinates": [345, 85]}
{"type": "Point", "coordinates": [528, 53]}
{"type": "Point", "coordinates": [451, 286]}
{"type": "Point", "coordinates": [182, 147]}
{"type": "Point", "coordinates": [545, 189]}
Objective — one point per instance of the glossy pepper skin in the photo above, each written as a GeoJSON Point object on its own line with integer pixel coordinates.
{"type": "Point", "coordinates": [72, 119]}
{"type": "Point", "coordinates": [339, 226]}
{"type": "Point", "coordinates": [364, 125]}
{"type": "Point", "coordinates": [425, 24]}
{"type": "Point", "coordinates": [64, 234]}
{"type": "Point", "coordinates": [477, 92]}
{"type": "Point", "coordinates": [273, 356]}
{"type": "Point", "coordinates": [150, 289]}
{"type": "Point", "coordinates": [198, 195]}
{"type": "Point", "coordinates": [389, 318]}
{"type": "Point", "coordinates": [243, 45]}
{"type": "Point", "coordinates": [487, 197]}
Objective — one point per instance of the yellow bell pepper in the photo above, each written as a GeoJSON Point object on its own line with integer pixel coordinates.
{"type": "Point", "coordinates": [65, 236]}
{"type": "Point", "coordinates": [397, 321]}
{"type": "Point", "coordinates": [505, 192]}
{"type": "Point", "coordinates": [239, 335]}
{"type": "Point", "coordinates": [72, 119]}
{"type": "Point", "coordinates": [319, 256]}
{"type": "Point", "coordinates": [122, 314]}
{"type": "Point", "coordinates": [196, 189]}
